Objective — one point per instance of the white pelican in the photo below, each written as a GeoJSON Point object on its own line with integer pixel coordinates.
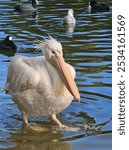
{"type": "Point", "coordinates": [43, 85]}
{"type": "Point", "coordinates": [69, 18]}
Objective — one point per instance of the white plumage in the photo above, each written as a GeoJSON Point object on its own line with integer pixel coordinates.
{"type": "Point", "coordinates": [42, 85]}
{"type": "Point", "coordinates": [69, 18]}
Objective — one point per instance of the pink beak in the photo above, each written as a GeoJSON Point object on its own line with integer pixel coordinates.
{"type": "Point", "coordinates": [66, 76]}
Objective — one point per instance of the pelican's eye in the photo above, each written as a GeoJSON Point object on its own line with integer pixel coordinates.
{"type": "Point", "coordinates": [53, 52]}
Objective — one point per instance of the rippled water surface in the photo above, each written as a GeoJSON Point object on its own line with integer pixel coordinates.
{"type": "Point", "coordinates": [88, 49]}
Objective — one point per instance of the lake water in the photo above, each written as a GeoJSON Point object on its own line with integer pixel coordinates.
{"type": "Point", "coordinates": [89, 49]}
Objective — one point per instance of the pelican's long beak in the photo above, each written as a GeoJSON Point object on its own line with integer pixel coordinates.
{"type": "Point", "coordinates": [66, 76]}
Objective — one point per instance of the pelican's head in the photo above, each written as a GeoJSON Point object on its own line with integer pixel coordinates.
{"type": "Point", "coordinates": [50, 47]}
{"type": "Point", "coordinates": [70, 12]}
{"type": "Point", "coordinates": [52, 50]}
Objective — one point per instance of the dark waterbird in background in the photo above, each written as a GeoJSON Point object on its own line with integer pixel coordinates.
{"type": "Point", "coordinates": [7, 46]}
{"type": "Point", "coordinates": [27, 7]}
{"type": "Point", "coordinates": [98, 7]}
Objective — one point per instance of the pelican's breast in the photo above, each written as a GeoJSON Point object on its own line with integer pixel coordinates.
{"type": "Point", "coordinates": [49, 95]}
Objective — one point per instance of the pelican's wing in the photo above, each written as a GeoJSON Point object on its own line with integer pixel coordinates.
{"type": "Point", "coordinates": [22, 74]}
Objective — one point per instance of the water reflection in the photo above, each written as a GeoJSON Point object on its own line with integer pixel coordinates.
{"type": "Point", "coordinates": [43, 146]}
{"type": "Point", "coordinates": [33, 140]}
{"type": "Point", "coordinates": [70, 29]}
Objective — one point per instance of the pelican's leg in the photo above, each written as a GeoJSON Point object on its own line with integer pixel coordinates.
{"type": "Point", "coordinates": [34, 128]}
{"type": "Point", "coordinates": [62, 126]}
{"type": "Point", "coordinates": [54, 119]}
{"type": "Point", "coordinates": [24, 117]}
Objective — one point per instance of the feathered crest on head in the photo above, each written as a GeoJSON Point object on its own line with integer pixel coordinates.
{"type": "Point", "coordinates": [41, 45]}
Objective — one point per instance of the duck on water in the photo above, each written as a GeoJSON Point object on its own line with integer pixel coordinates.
{"type": "Point", "coordinates": [98, 7]}
{"type": "Point", "coordinates": [27, 7]}
{"type": "Point", "coordinates": [7, 46]}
